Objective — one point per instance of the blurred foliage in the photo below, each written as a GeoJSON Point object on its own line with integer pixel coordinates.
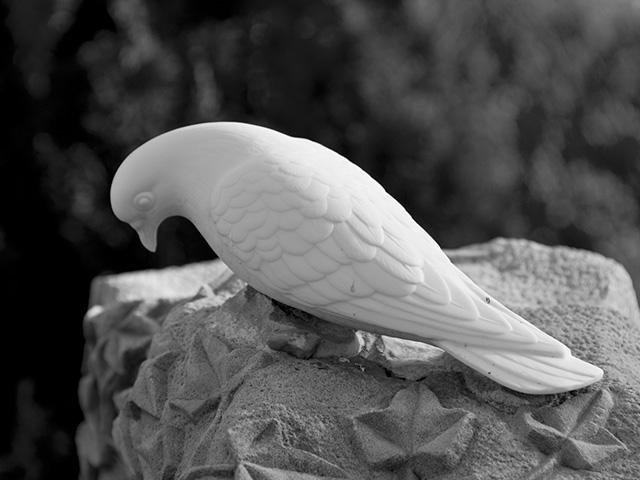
{"type": "Point", "coordinates": [39, 449]}
{"type": "Point", "coordinates": [485, 118]}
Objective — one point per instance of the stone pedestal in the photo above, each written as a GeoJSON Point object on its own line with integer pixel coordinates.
{"type": "Point", "coordinates": [190, 375]}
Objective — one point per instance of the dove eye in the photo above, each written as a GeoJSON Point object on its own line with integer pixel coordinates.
{"type": "Point", "coordinates": [144, 201]}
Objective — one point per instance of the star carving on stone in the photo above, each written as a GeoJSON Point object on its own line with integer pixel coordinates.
{"type": "Point", "coordinates": [251, 471]}
{"type": "Point", "coordinates": [265, 449]}
{"type": "Point", "coordinates": [217, 471]}
{"type": "Point", "coordinates": [415, 435]}
{"type": "Point", "coordinates": [202, 371]}
{"type": "Point", "coordinates": [574, 434]}
{"type": "Point", "coordinates": [203, 376]}
{"type": "Point", "coordinates": [120, 336]}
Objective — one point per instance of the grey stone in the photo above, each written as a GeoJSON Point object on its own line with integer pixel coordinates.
{"type": "Point", "coordinates": [169, 284]}
{"type": "Point", "coordinates": [229, 384]}
{"type": "Point", "coordinates": [126, 310]}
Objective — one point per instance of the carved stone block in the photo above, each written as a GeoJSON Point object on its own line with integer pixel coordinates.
{"type": "Point", "coordinates": [220, 382]}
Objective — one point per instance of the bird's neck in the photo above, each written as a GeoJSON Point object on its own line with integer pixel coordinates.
{"type": "Point", "coordinates": [193, 199]}
{"type": "Point", "coordinates": [206, 159]}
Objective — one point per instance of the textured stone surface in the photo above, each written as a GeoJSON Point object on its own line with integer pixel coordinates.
{"type": "Point", "coordinates": [222, 386]}
{"type": "Point", "coordinates": [168, 284]}
{"type": "Point", "coordinates": [126, 310]}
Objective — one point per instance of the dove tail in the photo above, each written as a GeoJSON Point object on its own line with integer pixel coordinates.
{"type": "Point", "coordinates": [527, 373]}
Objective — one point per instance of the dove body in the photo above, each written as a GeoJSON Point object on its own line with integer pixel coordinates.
{"type": "Point", "coordinates": [303, 225]}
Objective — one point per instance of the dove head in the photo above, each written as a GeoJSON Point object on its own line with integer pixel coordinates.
{"type": "Point", "coordinates": [175, 173]}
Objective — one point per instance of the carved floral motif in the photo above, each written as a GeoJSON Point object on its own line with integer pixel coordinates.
{"type": "Point", "coordinates": [414, 433]}
{"type": "Point", "coordinates": [574, 434]}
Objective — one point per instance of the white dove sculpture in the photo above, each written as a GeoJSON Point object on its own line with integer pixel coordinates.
{"type": "Point", "coordinates": [303, 225]}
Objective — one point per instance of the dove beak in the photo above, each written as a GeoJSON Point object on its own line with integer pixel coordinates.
{"type": "Point", "coordinates": [148, 236]}
{"type": "Point", "coordinates": [148, 240]}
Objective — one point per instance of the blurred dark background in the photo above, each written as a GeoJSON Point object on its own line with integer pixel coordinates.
{"type": "Point", "coordinates": [484, 118]}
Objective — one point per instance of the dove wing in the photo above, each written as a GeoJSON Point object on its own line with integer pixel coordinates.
{"type": "Point", "coordinates": [314, 231]}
